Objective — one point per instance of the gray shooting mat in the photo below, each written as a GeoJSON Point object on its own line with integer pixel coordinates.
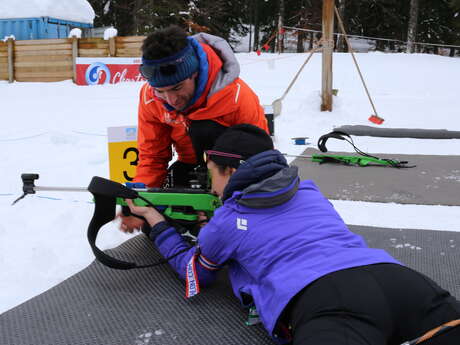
{"type": "Point", "coordinates": [102, 306]}
{"type": "Point", "coordinates": [434, 181]}
{"type": "Point", "coordinates": [433, 253]}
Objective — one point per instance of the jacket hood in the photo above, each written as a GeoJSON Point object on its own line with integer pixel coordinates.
{"type": "Point", "coordinates": [230, 69]}
{"type": "Point", "coordinates": [265, 180]}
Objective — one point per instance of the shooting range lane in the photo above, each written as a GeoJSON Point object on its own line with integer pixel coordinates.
{"type": "Point", "coordinates": [102, 306]}
{"type": "Point", "coordinates": [433, 253]}
{"type": "Point", "coordinates": [434, 181]}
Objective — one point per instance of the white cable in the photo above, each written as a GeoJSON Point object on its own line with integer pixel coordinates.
{"type": "Point", "coordinates": [374, 38]}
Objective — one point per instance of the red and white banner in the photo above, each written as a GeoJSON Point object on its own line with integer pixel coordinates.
{"type": "Point", "coordinates": [96, 71]}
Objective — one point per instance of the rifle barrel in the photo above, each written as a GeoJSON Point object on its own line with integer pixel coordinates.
{"type": "Point", "coordinates": [60, 189]}
{"type": "Point", "coordinates": [297, 156]}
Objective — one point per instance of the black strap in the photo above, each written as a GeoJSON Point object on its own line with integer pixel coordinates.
{"type": "Point", "coordinates": [105, 194]}
{"type": "Point", "coordinates": [346, 137]}
{"type": "Point", "coordinates": [334, 134]}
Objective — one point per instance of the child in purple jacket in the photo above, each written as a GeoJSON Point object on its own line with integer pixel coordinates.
{"type": "Point", "coordinates": [292, 257]}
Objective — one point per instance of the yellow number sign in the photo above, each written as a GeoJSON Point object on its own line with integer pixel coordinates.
{"type": "Point", "coordinates": [123, 153]}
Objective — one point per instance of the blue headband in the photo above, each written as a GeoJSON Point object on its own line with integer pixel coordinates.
{"type": "Point", "coordinates": [171, 69]}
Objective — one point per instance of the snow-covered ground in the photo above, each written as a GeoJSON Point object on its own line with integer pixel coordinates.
{"type": "Point", "coordinates": [59, 131]}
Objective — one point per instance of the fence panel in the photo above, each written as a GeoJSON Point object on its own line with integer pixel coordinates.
{"type": "Point", "coordinates": [129, 46]}
{"type": "Point", "coordinates": [56, 41]}
{"type": "Point", "coordinates": [45, 52]}
{"type": "Point", "coordinates": [130, 39]}
{"type": "Point", "coordinates": [129, 52]}
{"type": "Point", "coordinates": [93, 52]}
{"type": "Point", "coordinates": [3, 61]}
{"type": "Point", "coordinates": [52, 59]}
{"type": "Point", "coordinates": [93, 47]}
{"type": "Point", "coordinates": [43, 60]}
{"type": "Point", "coordinates": [39, 58]}
{"type": "Point", "coordinates": [41, 47]}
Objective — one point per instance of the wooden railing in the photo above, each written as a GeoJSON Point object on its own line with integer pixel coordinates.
{"type": "Point", "coordinates": [54, 59]}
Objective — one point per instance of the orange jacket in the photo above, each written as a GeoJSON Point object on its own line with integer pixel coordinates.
{"type": "Point", "coordinates": [159, 130]}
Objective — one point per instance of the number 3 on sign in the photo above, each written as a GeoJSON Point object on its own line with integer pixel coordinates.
{"type": "Point", "coordinates": [135, 153]}
{"type": "Point", "coordinates": [123, 153]}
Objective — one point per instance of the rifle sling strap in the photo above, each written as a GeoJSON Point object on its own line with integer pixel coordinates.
{"type": "Point", "coordinates": [105, 194]}
{"type": "Point", "coordinates": [334, 134]}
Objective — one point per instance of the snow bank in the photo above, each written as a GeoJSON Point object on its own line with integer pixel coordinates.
{"type": "Point", "coordinates": [6, 38]}
{"type": "Point", "coordinates": [109, 33]}
{"type": "Point", "coordinates": [75, 32]}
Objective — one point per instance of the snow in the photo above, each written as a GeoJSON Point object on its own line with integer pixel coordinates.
{"type": "Point", "coordinates": [109, 33]}
{"type": "Point", "coordinates": [75, 32]}
{"type": "Point", "coordinates": [59, 131]}
{"type": "Point", "coordinates": [107, 7]}
{"type": "Point", "coordinates": [242, 46]}
{"type": "Point", "coordinates": [72, 10]}
{"type": "Point", "coordinates": [6, 38]}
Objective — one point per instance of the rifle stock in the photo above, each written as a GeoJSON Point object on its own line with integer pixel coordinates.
{"type": "Point", "coordinates": [180, 204]}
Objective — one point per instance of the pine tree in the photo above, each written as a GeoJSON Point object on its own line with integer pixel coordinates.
{"type": "Point", "coordinates": [139, 17]}
{"type": "Point", "coordinates": [437, 24]}
{"type": "Point", "coordinates": [455, 5]}
{"type": "Point", "coordinates": [223, 18]}
{"type": "Point", "coordinates": [384, 19]}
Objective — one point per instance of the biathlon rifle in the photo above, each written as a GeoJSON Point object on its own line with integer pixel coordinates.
{"type": "Point", "coordinates": [363, 159]}
{"type": "Point", "coordinates": [174, 203]}
{"type": "Point", "coordinates": [178, 205]}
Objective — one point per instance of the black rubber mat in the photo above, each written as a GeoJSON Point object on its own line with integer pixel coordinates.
{"type": "Point", "coordinates": [101, 306]}
{"type": "Point", "coordinates": [434, 253]}
{"type": "Point", "coordinates": [434, 181]}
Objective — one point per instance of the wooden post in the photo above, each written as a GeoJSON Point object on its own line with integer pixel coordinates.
{"type": "Point", "coordinates": [112, 47]}
{"type": "Point", "coordinates": [328, 48]}
{"type": "Point", "coordinates": [74, 58]}
{"type": "Point", "coordinates": [10, 43]}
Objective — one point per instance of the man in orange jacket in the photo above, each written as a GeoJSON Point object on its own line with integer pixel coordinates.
{"type": "Point", "coordinates": [193, 93]}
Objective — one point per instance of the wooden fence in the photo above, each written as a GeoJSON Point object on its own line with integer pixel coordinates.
{"type": "Point", "coordinates": [54, 59]}
{"type": "Point", "coordinates": [3, 60]}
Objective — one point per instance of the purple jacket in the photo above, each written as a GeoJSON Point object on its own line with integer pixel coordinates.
{"type": "Point", "coordinates": [275, 233]}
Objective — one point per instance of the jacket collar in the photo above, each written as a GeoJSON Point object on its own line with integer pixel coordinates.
{"type": "Point", "coordinates": [264, 180]}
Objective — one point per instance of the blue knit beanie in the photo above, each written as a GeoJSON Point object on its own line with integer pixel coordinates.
{"type": "Point", "coordinates": [171, 69]}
